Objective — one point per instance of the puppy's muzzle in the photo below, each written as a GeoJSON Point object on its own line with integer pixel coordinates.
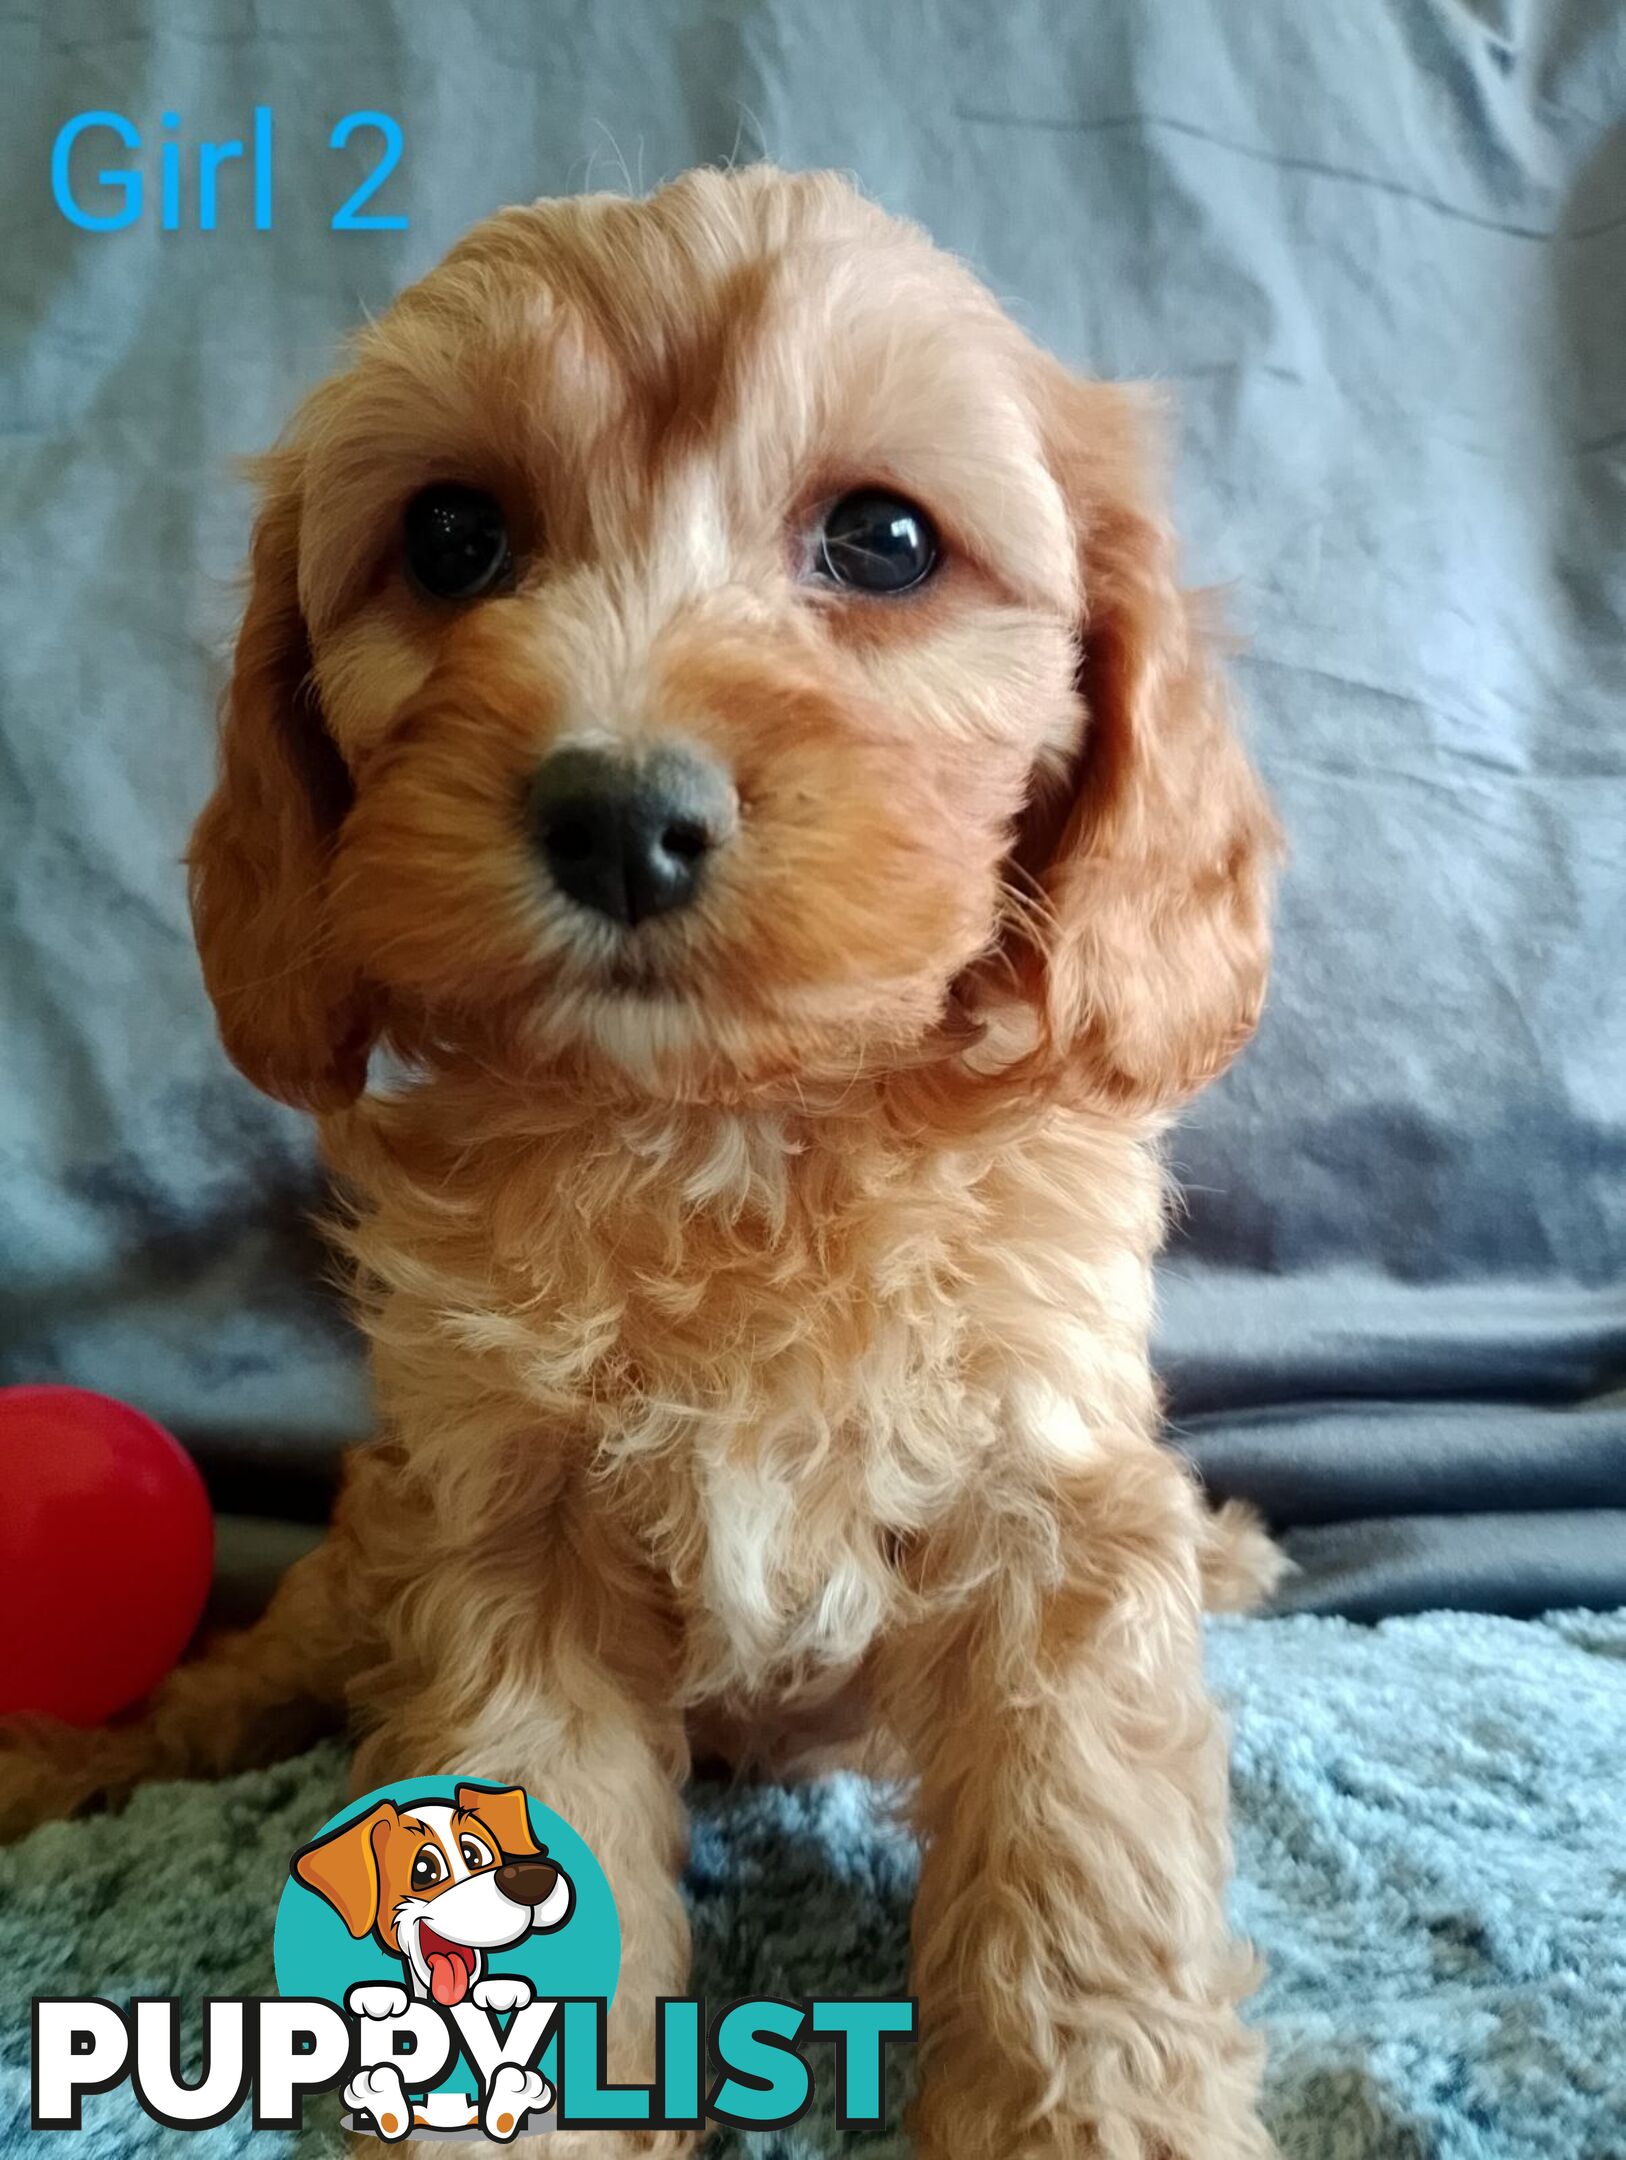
{"type": "Point", "coordinates": [630, 837]}
{"type": "Point", "coordinates": [527, 1882]}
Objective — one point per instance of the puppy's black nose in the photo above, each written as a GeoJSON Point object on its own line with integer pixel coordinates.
{"type": "Point", "coordinates": [629, 837]}
{"type": "Point", "coordinates": [527, 1882]}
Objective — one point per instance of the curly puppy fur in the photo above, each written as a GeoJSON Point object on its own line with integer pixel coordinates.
{"type": "Point", "coordinates": [758, 1297]}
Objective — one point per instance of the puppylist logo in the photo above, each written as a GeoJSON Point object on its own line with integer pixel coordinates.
{"type": "Point", "coordinates": [446, 1952]}
{"type": "Point", "coordinates": [447, 1899]}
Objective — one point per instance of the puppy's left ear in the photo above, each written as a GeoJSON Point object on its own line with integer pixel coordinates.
{"type": "Point", "coordinates": [343, 1868]}
{"type": "Point", "coordinates": [1148, 960]}
{"type": "Point", "coordinates": [293, 1016]}
{"type": "Point", "coordinates": [505, 1813]}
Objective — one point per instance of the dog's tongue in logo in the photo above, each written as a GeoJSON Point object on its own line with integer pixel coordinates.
{"type": "Point", "coordinates": [451, 1967]}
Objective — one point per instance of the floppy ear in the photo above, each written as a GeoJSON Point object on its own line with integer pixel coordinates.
{"type": "Point", "coordinates": [1147, 963]}
{"type": "Point", "coordinates": [292, 1017]}
{"type": "Point", "coordinates": [343, 1868]}
{"type": "Point", "coordinates": [504, 1813]}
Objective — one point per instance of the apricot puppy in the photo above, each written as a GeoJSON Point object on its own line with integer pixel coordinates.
{"type": "Point", "coordinates": [715, 704]}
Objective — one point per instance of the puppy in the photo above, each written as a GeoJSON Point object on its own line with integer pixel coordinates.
{"type": "Point", "coordinates": [715, 706]}
{"type": "Point", "coordinates": [441, 1887]}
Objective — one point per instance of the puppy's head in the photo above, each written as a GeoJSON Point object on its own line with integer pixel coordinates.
{"type": "Point", "coordinates": [442, 1883]}
{"type": "Point", "coordinates": [701, 638]}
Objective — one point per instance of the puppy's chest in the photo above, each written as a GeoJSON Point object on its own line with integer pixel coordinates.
{"type": "Point", "coordinates": [782, 1532]}
{"type": "Point", "coordinates": [775, 1485]}
{"type": "Point", "coordinates": [779, 1426]}
{"type": "Point", "coordinates": [786, 1363]}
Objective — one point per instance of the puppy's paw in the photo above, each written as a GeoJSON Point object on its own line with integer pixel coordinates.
{"type": "Point", "coordinates": [514, 2094]}
{"type": "Point", "coordinates": [379, 2093]}
{"type": "Point", "coordinates": [49, 1770]}
{"type": "Point", "coordinates": [503, 1991]}
{"type": "Point", "coordinates": [1241, 1564]}
{"type": "Point", "coordinates": [376, 1999]}
{"type": "Point", "coordinates": [30, 1793]}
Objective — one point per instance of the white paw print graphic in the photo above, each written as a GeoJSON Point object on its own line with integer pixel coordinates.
{"type": "Point", "coordinates": [380, 2094]}
{"type": "Point", "coordinates": [374, 1999]}
{"type": "Point", "coordinates": [514, 2094]}
{"type": "Point", "coordinates": [503, 1992]}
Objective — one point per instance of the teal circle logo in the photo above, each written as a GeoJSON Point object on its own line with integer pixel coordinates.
{"type": "Point", "coordinates": [452, 1892]}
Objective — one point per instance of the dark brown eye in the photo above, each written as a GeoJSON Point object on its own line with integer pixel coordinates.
{"type": "Point", "coordinates": [427, 1869]}
{"type": "Point", "coordinates": [457, 545]}
{"type": "Point", "coordinates": [877, 542]}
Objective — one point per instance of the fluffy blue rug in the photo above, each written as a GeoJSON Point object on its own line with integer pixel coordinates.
{"type": "Point", "coordinates": [1431, 1844]}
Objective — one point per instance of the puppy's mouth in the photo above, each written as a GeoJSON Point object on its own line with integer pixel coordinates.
{"type": "Point", "coordinates": [451, 1966]}
{"type": "Point", "coordinates": [638, 975]}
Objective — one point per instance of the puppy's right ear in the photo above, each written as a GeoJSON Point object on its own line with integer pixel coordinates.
{"type": "Point", "coordinates": [506, 1814]}
{"type": "Point", "coordinates": [293, 1017]}
{"type": "Point", "coordinates": [343, 1868]}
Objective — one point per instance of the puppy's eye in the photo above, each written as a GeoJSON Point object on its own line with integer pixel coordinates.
{"type": "Point", "coordinates": [457, 545]}
{"type": "Point", "coordinates": [876, 542]}
{"type": "Point", "coordinates": [427, 1869]}
{"type": "Point", "coordinates": [474, 1853]}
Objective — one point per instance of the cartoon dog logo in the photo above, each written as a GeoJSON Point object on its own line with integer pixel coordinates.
{"type": "Point", "coordinates": [441, 1885]}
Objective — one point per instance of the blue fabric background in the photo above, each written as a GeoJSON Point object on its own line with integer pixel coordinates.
{"type": "Point", "coordinates": [1379, 252]}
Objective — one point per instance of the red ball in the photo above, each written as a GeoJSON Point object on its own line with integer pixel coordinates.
{"type": "Point", "coordinates": [106, 1550]}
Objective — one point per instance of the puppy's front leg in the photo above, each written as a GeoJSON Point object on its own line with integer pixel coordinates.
{"type": "Point", "coordinates": [1076, 1981]}
{"type": "Point", "coordinates": [551, 1667]}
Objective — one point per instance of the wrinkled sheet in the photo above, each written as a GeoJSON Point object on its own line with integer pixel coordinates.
{"type": "Point", "coordinates": [1378, 255]}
